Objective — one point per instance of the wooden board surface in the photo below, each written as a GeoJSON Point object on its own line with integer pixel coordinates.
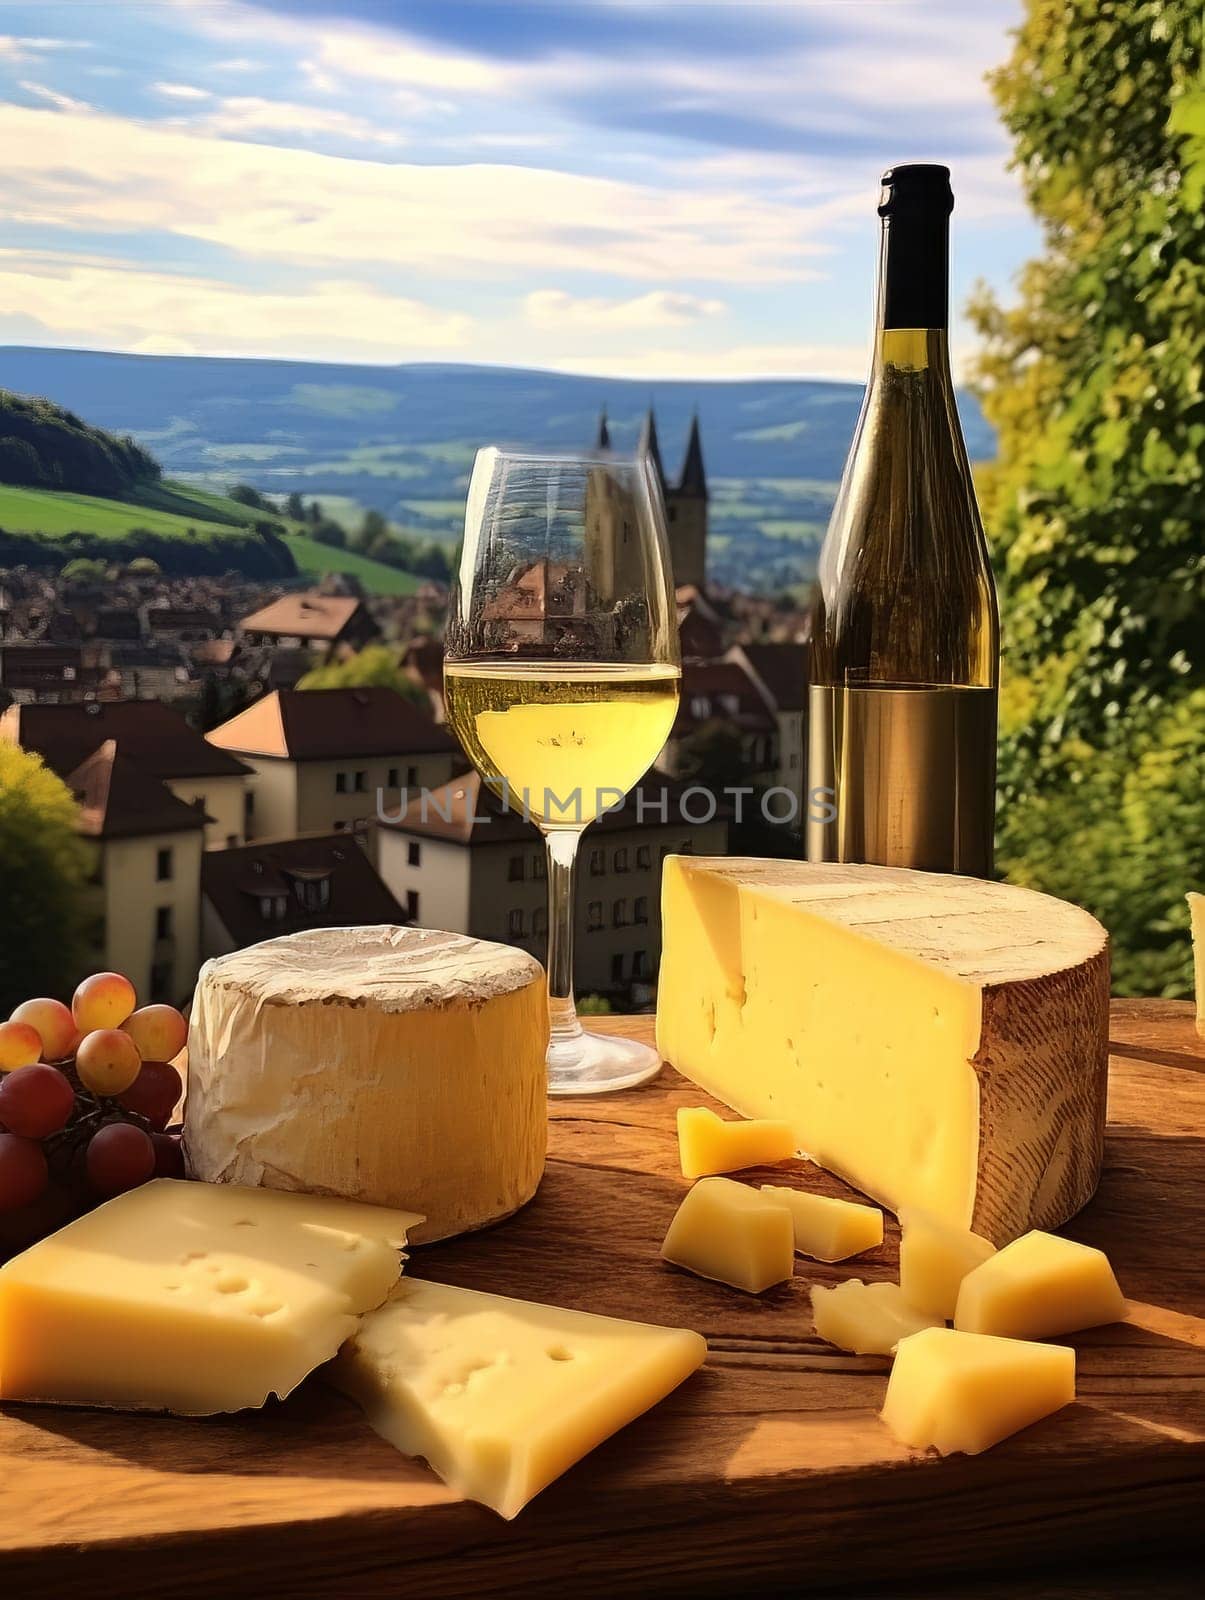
{"type": "Point", "coordinates": [766, 1472]}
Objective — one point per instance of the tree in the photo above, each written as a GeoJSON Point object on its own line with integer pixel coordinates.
{"type": "Point", "coordinates": [373, 535]}
{"type": "Point", "coordinates": [42, 886]}
{"type": "Point", "coordinates": [373, 667]}
{"type": "Point", "coordinates": [245, 495]}
{"type": "Point", "coordinates": [84, 569]}
{"type": "Point", "coordinates": [1095, 503]}
{"type": "Point", "coordinates": [143, 567]}
{"type": "Point", "coordinates": [295, 507]}
{"type": "Point", "coordinates": [329, 532]}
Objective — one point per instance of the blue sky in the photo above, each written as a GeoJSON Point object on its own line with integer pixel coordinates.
{"type": "Point", "coordinates": [627, 188]}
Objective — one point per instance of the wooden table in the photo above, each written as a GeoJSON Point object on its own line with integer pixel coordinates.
{"type": "Point", "coordinates": [767, 1472]}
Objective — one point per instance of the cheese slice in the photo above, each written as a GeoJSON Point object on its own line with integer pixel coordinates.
{"type": "Point", "coordinates": [501, 1396]}
{"type": "Point", "coordinates": [966, 1391]}
{"type": "Point", "coordinates": [732, 1233]}
{"type": "Point", "coordinates": [192, 1297]}
{"type": "Point", "coordinates": [1038, 1287]}
{"type": "Point", "coordinates": [937, 1041]}
{"type": "Point", "coordinates": [391, 1065]}
{"type": "Point", "coordinates": [868, 1318]}
{"type": "Point", "coordinates": [935, 1257]}
{"type": "Point", "coordinates": [1196, 912]}
{"type": "Point", "coordinates": [708, 1145]}
{"type": "Point", "coordinates": [827, 1229]}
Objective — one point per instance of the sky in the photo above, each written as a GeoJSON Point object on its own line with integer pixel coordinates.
{"type": "Point", "coordinates": [615, 187]}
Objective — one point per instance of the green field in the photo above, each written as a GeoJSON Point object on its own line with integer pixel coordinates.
{"type": "Point", "coordinates": [317, 559]}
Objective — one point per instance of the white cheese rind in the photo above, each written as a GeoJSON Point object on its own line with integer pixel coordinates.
{"type": "Point", "coordinates": [396, 1066]}
{"type": "Point", "coordinates": [937, 1041]}
{"type": "Point", "coordinates": [501, 1396]}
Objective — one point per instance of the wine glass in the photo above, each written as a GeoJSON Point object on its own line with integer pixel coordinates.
{"type": "Point", "coordinates": [561, 674]}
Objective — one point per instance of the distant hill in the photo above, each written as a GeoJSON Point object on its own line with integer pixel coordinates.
{"type": "Point", "coordinates": [401, 439]}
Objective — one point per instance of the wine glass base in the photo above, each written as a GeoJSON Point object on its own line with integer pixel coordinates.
{"type": "Point", "coordinates": [599, 1063]}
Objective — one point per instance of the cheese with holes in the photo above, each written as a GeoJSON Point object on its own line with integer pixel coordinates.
{"type": "Point", "coordinates": [828, 1229]}
{"type": "Point", "coordinates": [868, 1318]}
{"type": "Point", "coordinates": [937, 1041]}
{"type": "Point", "coordinates": [396, 1066]}
{"type": "Point", "coordinates": [732, 1233]}
{"type": "Point", "coordinates": [191, 1297]}
{"type": "Point", "coordinates": [708, 1145]}
{"type": "Point", "coordinates": [501, 1396]}
{"type": "Point", "coordinates": [935, 1257]}
{"type": "Point", "coordinates": [1196, 912]}
{"type": "Point", "coordinates": [964, 1392]}
{"type": "Point", "coordinates": [1038, 1287]}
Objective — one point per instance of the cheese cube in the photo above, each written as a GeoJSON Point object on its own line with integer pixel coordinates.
{"type": "Point", "coordinates": [1196, 913]}
{"type": "Point", "coordinates": [707, 1144]}
{"type": "Point", "coordinates": [501, 1396]}
{"type": "Point", "coordinates": [935, 1257]}
{"type": "Point", "coordinates": [828, 1229]}
{"type": "Point", "coordinates": [732, 1233]}
{"type": "Point", "coordinates": [868, 1318]}
{"type": "Point", "coordinates": [1037, 1287]}
{"type": "Point", "coordinates": [967, 1391]}
{"type": "Point", "coordinates": [936, 1041]}
{"type": "Point", "coordinates": [192, 1297]}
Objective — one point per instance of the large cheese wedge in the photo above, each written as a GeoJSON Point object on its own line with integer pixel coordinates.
{"type": "Point", "coordinates": [192, 1297]}
{"type": "Point", "coordinates": [1196, 912]}
{"type": "Point", "coordinates": [501, 1396]}
{"type": "Point", "coordinates": [392, 1065]}
{"type": "Point", "coordinates": [937, 1041]}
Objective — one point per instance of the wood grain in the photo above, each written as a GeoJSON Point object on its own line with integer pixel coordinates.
{"type": "Point", "coordinates": [765, 1472]}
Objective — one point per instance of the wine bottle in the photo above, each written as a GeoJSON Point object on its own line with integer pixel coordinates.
{"type": "Point", "coordinates": [905, 629]}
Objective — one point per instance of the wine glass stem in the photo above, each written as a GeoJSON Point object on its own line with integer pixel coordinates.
{"type": "Point", "coordinates": [562, 846]}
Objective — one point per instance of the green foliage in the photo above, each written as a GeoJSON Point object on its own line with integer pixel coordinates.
{"type": "Point", "coordinates": [1095, 504]}
{"type": "Point", "coordinates": [42, 882]}
{"type": "Point", "coordinates": [84, 570]}
{"type": "Point", "coordinates": [295, 507]}
{"type": "Point", "coordinates": [330, 532]}
{"type": "Point", "coordinates": [245, 495]}
{"type": "Point", "coordinates": [373, 667]}
{"type": "Point", "coordinates": [594, 1005]}
{"type": "Point", "coordinates": [143, 567]}
{"type": "Point", "coordinates": [44, 446]}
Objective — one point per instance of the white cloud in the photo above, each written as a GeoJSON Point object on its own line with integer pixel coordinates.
{"type": "Point", "coordinates": [118, 305]}
{"type": "Point", "coordinates": [238, 64]}
{"type": "Point", "coordinates": [61, 102]}
{"type": "Point", "coordinates": [182, 91]}
{"type": "Point", "coordinates": [300, 206]}
{"type": "Point", "coordinates": [251, 114]}
{"type": "Point", "coordinates": [14, 47]}
{"type": "Point", "coordinates": [845, 361]}
{"type": "Point", "coordinates": [407, 64]}
{"type": "Point", "coordinates": [554, 309]}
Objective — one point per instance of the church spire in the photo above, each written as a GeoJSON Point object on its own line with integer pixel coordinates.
{"type": "Point", "coordinates": [649, 446]}
{"type": "Point", "coordinates": [694, 479]}
{"type": "Point", "coordinates": [603, 442]}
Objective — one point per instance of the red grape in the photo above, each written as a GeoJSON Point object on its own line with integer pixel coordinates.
{"type": "Point", "coordinates": [153, 1093]}
{"type": "Point", "coordinates": [107, 1061]}
{"type": "Point", "coordinates": [35, 1101]}
{"type": "Point", "coordinates": [119, 1157]}
{"type": "Point", "coordinates": [104, 1000]}
{"type": "Point", "coordinates": [54, 1025]}
{"type": "Point", "coordinates": [24, 1174]}
{"type": "Point", "coordinates": [20, 1045]}
{"type": "Point", "coordinates": [169, 1155]}
{"type": "Point", "coordinates": [160, 1032]}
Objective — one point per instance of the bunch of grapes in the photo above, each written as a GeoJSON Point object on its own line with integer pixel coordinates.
{"type": "Point", "coordinates": [86, 1094]}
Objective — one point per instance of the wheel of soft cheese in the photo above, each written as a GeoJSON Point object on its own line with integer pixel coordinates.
{"type": "Point", "coordinates": [399, 1066]}
{"type": "Point", "coordinates": [938, 1041]}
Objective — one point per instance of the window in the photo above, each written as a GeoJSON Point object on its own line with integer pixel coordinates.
{"type": "Point", "coordinates": [414, 853]}
{"type": "Point", "coordinates": [161, 981]}
{"type": "Point", "coordinates": [163, 922]}
{"type": "Point", "coordinates": [700, 707]}
{"type": "Point", "coordinates": [272, 907]}
{"type": "Point", "coordinates": [361, 783]}
{"type": "Point", "coordinates": [730, 704]}
{"type": "Point", "coordinates": [598, 863]}
{"type": "Point", "coordinates": [793, 760]}
{"type": "Point", "coordinates": [538, 867]}
{"type": "Point", "coordinates": [617, 967]}
{"type": "Point", "coordinates": [514, 870]}
{"type": "Point", "coordinates": [640, 911]}
{"type": "Point", "coordinates": [619, 914]}
{"type": "Point", "coordinates": [644, 856]}
{"type": "Point", "coordinates": [539, 920]}
{"type": "Point", "coordinates": [640, 964]}
{"type": "Point", "coordinates": [163, 865]}
{"type": "Point", "coordinates": [594, 916]}
{"type": "Point", "coordinates": [232, 841]}
{"type": "Point", "coordinates": [514, 924]}
{"type": "Point", "coordinates": [394, 778]}
{"type": "Point", "coordinates": [248, 804]}
{"type": "Point", "coordinates": [412, 905]}
{"type": "Point", "coordinates": [340, 782]}
{"type": "Point", "coordinates": [671, 512]}
{"type": "Point", "coordinates": [621, 859]}
{"type": "Point", "coordinates": [412, 777]}
{"type": "Point", "coordinates": [312, 894]}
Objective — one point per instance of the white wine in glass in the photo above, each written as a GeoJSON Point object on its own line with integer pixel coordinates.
{"type": "Point", "coordinates": [561, 676]}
